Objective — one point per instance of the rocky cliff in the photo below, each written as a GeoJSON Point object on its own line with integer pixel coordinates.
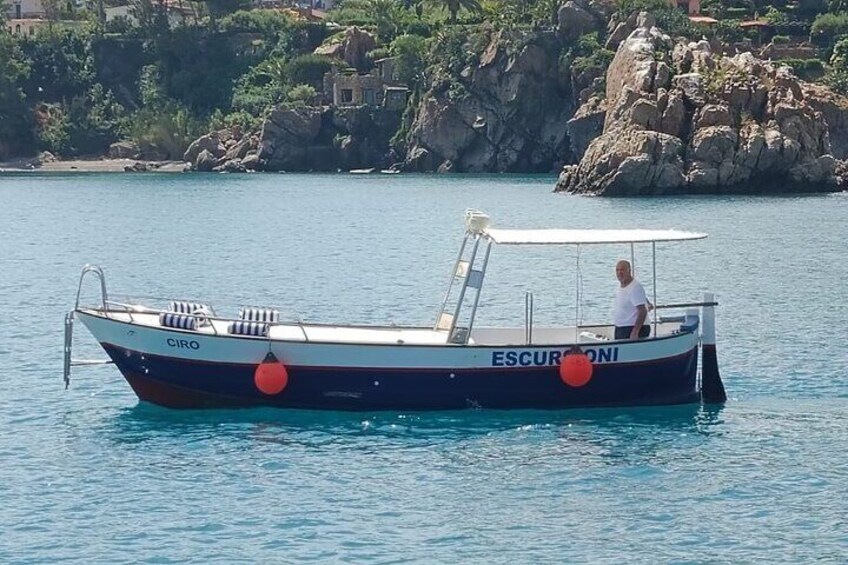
{"type": "Point", "coordinates": [666, 118]}
{"type": "Point", "coordinates": [307, 138]}
{"type": "Point", "coordinates": [507, 113]}
{"type": "Point", "coordinates": [681, 119]}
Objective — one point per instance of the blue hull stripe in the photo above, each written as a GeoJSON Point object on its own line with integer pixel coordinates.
{"type": "Point", "coordinates": [180, 383]}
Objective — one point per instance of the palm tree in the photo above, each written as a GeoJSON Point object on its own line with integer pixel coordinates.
{"type": "Point", "coordinates": [454, 6]}
{"type": "Point", "coordinates": [388, 14]}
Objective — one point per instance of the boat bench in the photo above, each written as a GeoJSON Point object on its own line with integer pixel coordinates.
{"type": "Point", "coordinates": [252, 314]}
{"type": "Point", "coordinates": [254, 321]}
{"type": "Point", "coordinates": [245, 327]}
{"type": "Point", "coordinates": [181, 307]}
{"type": "Point", "coordinates": [179, 321]}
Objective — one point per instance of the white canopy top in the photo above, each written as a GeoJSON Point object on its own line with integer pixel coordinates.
{"type": "Point", "coordinates": [588, 236]}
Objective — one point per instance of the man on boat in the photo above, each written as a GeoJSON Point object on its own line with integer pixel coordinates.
{"type": "Point", "coordinates": [631, 305]}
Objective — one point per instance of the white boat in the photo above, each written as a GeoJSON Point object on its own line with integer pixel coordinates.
{"type": "Point", "coordinates": [183, 355]}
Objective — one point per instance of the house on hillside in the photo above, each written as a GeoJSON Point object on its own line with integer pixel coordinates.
{"type": "Point", "coordinates": [24, 17]}
{"type": "Point", "coordinates": [25, 10]}
{"type": "Point", "coordinates": [23, 26]}
{"type": "Point", "coordinates": [377, 88]}
{"type": "Point", "coordinates": [114, 12]}
{"type": "Point", "coordinates": [298, 4]}
{"type": "Point", "coordinates": [691, 7]}
{"type": "Point", "coordinates": [28, 26]}
{"type": "Point", "coordinates": [177, 12]}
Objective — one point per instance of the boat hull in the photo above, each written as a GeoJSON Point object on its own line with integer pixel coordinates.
{"type": "Point", "coordinates": [179, 383]}
{"type": "Point", "coordinates": [219, 372]}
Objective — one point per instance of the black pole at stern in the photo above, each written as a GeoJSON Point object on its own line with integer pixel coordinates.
{"type": "Point", "coordinates": [712, 388]}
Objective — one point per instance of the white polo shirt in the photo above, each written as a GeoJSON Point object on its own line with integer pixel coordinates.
{"type": "Point", "coordinates": [627, 298]}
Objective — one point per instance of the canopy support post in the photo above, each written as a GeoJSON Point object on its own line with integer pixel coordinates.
{"type": "Point", "coordinates": [654, 261]}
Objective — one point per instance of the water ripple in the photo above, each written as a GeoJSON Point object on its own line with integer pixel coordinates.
{"type": "Point", "coordinates": [88, 475]}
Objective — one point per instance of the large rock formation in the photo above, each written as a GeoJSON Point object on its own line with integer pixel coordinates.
{"type": "Point", "coordinates": [507, 113]}
{"type": "Point", "coordinates": [834, 110]}
{"type": "Point", "coordinates": [306, 138]}
{"type": "Point", "coordinates": [579, 17]}
{"type": "Point", "coordinates": [352, 47]}
{"type": "Point", "coordinates": [225, 150]}
{"type": "Point", "coordinates": [680, 119]}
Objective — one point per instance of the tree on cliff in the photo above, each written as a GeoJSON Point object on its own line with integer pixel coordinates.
{"type": "Point", "coordinates": [15, 118]}
{"type": "Point", "coordinates": [454, 6]}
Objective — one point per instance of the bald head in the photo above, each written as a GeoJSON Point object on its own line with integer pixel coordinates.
{"type": "Point", "coordinates": [623, 272]}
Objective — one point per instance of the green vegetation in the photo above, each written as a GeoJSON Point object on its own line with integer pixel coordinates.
{"type": "Point", "coordinates": [161, 79]}
{"type": "Point", "coordinates": [827, 28]}
{"type": "Point", "coordinates": [75, 89]}
{"type": "Point", "coordinates": [587, 53]}
{"type": "Point", "coordinates": [16, 124]}
{"type": "Point", "coordinates": [806, 69]}
{"type": "Point", "coordinates": [409, 51]}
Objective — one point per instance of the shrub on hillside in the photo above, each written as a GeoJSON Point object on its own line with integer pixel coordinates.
{"type": "Point", "coordinates": [308, 69]}
{"type": "Point", "coordinates": [805, 69]}
{"type": "Point", "coordinates": [827, 28]}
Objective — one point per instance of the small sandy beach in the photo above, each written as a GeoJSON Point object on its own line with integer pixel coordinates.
{"type": "Point", "coordinates": [93, 166]}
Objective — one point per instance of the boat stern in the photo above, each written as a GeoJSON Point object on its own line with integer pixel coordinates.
{"type": "Point", "coordinates": [712, 387]}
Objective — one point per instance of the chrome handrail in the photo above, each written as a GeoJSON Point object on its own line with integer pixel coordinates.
{"type": "Point", "coordinates": [88, 268]}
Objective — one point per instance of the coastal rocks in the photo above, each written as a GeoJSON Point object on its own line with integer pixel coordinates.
{"type": "Point", "coordinates": [618, 30]}
{"type": "Point", "coordinates": [586, 125]}
{"type": "Point", "coordinates": [205, 161]}
{"type": "Point", "coordinates": [680, 119]}
{"type": "Point", "coordinates": [629, 163]}
{"type": "Point", "coordinates": [289, 140]}
{"type": "Point", "coordinates": [834, 109]}
{"type": "Point", "coordinates": [579, 17]}
{"type": "Point", "coordinates": [207, 143]}
{"type": "Point", "coordinates": [303, 138]}
{"type": "Point", "coordinates": [507, 113]}
{"type": "Point", "coordinates": [157, 166]}
{"type": "Point", "coordinates": [223, 151]}
{"type": "Point", "coordinates": [46, 157]}
{"type": "Point", "coordinates": [352, 47]}
{"type": "Point", "coordinates": [123, 150]}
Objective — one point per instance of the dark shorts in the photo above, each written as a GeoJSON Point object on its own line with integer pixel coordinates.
{"type": "Point", "coordinates": [623, 332]}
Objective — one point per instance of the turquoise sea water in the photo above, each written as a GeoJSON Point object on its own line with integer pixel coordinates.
{"type": "Point", "coordinates": [89, 475]}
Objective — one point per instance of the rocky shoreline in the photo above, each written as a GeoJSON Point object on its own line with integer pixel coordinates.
{"type": "Point", "coordinates": [675, 118]}
{"type": "Point", "coordinates": [681, 120]}
{"type": "Point", "coordinates": [667, 116]}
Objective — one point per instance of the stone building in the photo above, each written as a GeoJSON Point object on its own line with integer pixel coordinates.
{"type": "Point", "coordinates": [25, 9]}
{"type": "Point", "coordinates": [24, 26]}
{"type": "Point", "coordinates": [349, 88]}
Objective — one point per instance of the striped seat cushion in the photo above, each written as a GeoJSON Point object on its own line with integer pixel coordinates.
{"type": "Point", "coordinates": [259, 315]}
{"type": "Point", "coordinates": [175, 320]}
{"type": "Point", "coordinates": [201, 311]}
{"type": "Point", "coordinates": [245, 327]}
{"type": "Point", "coordinates": [188, 307]}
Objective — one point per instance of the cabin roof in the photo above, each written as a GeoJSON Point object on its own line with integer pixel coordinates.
{"type": "Point", "coordinates": [587, 236]}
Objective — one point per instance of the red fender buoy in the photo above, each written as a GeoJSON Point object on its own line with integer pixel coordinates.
{"type": "Point", "coordinates": [271, 376]}
{"type": "Point", "coordinates": [575, 369]}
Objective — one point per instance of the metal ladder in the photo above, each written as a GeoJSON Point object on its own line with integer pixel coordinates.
{"type": "Point", "coordinates": [69, 361]}
{"type": "Point", "coordinates": [465, 278]}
